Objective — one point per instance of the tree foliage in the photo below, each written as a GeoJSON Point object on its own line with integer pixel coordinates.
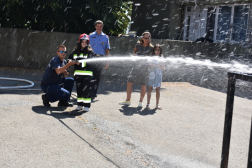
{"type": "Point", "coordinates": [71, 16]}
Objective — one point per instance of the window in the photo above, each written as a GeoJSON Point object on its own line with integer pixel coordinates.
{"type": "Point", "coordinates": [223, 23]}
{"type": "Point", "coordinates": [240, 23]}
{"type": "Point", "coordinates": [224, 20]}
{"type": "Point", "coordinates": [189, 9]}
{"type": "Point", "coordinates": [187, 29]}
{"type": "Point", "coordinates": [231, 23]}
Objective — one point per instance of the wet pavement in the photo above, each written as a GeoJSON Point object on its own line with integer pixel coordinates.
{"type": "Point", "coordinates": [186, 133]}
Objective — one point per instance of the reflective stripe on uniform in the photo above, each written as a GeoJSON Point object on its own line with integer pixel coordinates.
{"type": "Point", "coordinates": [84, 100]}
{"type": "Point", "coordinates": [83, 63]}
{"type": "Point", "coordinates": [80, 72]}
{"type": "Point", "coordinates": [75, 56]}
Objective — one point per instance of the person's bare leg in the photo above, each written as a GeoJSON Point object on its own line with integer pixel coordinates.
{"type": "Point", "coordinates": [129, 90]}
{"type": "Point", "coordinates": [157, 95]}
{"type": "Point", "coordinates": [142, 94]}
{"type": "Point", "coordinates": [149, 94]}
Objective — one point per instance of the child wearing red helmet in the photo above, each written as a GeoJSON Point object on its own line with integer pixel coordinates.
{"type": "Point", "coordinates": [82, 72]}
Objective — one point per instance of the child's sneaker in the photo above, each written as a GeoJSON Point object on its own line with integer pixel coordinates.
{"type": "Point", "coordinates": [86, 109]}
{"type": "Point", "coordinates": [140, 104]}
{"type": "Point", "coordinates": [158, 107]}
{"type": "Point", "coordinates": [79, 108]}
{"type": "Point", "coordinates": [125, 103]}
{"type": "Point", "coordinates": [148, 106]}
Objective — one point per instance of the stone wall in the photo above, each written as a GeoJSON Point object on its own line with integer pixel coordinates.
{"type": "Point", "coordinates": [34, 49]}
{"type": "Point", "coordinates": [31, 49]}
{"type": "Point", "coordinates": [213, 51]}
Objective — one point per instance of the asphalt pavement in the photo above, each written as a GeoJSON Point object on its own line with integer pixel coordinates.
{"type": "Point", "coordinates": [186, 133]}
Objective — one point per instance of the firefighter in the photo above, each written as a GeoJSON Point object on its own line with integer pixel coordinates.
{"type": "Point", "coordinates": [82, 72]}
{"type": "Point", "coordinates": [55, 83]}
{"type": "Point", "coordinates": [100, 44]}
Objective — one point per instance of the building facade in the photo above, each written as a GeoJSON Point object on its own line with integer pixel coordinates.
{"type": "Point", "coordinates": [155, 16]}
{"type": "Point", "coordinates": [189, 20]}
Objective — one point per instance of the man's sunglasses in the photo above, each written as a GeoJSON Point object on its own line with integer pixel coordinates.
{"type": "Point", "coordinates": [62, 52]}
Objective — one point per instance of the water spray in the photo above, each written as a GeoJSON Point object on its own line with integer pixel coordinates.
{"type": "Point", "coordinates": [232, 66]}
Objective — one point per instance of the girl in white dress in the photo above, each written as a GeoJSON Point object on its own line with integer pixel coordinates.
{"type": "Point", "coordinates": [155, 78]}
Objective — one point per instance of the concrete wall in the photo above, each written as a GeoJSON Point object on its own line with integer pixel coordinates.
{"type": "Point", "coordinates": [174, 48]}
{"type": "Point", "coordinates": [31, 49]}
{"type": "Point", "coordinates": [34, 49]}
{"type": "Point", "coordinates": [213, 51]}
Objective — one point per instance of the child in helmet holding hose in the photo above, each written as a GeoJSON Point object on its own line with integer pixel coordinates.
{"type": "Point", "coordinates": [82, 72]}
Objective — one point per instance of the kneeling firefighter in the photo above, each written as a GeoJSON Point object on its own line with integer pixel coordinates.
{"type": "Point", "coordinates": [83, 72]}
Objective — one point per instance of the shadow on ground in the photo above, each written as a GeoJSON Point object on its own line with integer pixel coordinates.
{"type": "Point", "coordinates": [129, 111]}
{"type": "Point", "coordinates": [56, 112]}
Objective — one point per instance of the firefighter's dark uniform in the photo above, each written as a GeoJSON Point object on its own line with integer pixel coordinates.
{"type": "Point", "coordinates": [82, 76]}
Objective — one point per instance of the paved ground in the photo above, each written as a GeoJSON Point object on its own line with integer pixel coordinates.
{"type": "Point", "coordinates": [187, 133]}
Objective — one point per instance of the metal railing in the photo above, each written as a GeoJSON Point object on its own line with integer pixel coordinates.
{"type": "Point", "coordinates": [232, 76]}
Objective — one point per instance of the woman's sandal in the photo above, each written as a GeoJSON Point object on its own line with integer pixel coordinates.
{"type": "Point", "coordinates": [158, 107]}
{"type": "Point", "coordinates": [148, 106]}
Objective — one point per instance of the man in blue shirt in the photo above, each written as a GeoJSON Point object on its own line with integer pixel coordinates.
{"type": "Point", "coordinates": [100, 45]}
{"type": "Point", "coordinates": [55, 83]}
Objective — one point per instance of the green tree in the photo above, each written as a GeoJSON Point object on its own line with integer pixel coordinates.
{"type": "Point", "coordinates": [71, 16]}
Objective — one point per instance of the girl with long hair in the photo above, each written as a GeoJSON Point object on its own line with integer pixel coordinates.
{"type": "Point", "coordinates": [155, 77]}
{"type": "Point", "coordinates": [83, 72]}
